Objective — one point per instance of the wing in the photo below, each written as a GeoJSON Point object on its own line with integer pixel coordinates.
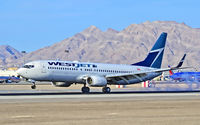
{"type": "Point", "coordinates": [137, 74]}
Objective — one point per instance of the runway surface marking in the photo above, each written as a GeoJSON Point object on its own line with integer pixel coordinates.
{"type": "Point", "coordinates": [98, 97]}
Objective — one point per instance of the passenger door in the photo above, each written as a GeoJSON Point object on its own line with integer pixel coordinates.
{"type": "Point", "coordinates": [43, 68]}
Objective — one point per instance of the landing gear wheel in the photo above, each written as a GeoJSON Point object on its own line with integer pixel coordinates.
{"type": "Point", "coordinates": [33, 87]}
{"type": "Point", "coordinates": [106, 89]}
{"type": "Point", "coordinates": [85, 89]}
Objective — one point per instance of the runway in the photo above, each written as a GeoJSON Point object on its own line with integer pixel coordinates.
{"type": "Point", "coordinates": [75, 95]}
{"type": "Point", "coordinates": [104, 97]}
{"type": "Point", "coordinates": [61, 106]}
{"type": "Point", "coordinates": [46, 92]}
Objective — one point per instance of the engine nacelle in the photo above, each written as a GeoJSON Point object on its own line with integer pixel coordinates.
{"type": "Point", "coordinates": [96, 81]}
{"type": "Point", "coordinates": [61, 84]}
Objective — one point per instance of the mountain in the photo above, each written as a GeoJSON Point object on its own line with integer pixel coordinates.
{"type": "Point", "coordinates": [8, 55]}
{"type": "Point", "coordinates": [127, 46]}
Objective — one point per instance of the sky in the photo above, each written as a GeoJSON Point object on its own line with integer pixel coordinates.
{"type": "Point", "coordinates": [28, 25]}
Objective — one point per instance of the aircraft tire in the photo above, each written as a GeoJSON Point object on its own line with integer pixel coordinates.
{"type": "Point", "coordinates": [85, 89]}
{"type": "Point", "coordinates": [106, 89]}
{"type": "Point", "coordinates": [33, 87]}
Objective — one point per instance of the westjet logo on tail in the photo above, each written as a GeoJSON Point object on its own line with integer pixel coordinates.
{"type": "Point", "coordinates": [154, 58]}
{"type": "Point", "coordinates": [76, 65]}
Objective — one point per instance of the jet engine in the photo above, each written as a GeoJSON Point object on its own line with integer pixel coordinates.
{"type": "Point", "coordinates": [96, 81]}
{"type": "Point", "coordinates": [61, 84]}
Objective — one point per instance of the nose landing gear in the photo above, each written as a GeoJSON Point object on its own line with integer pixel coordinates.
{"type": "Point", "coordinates": [33, 86]}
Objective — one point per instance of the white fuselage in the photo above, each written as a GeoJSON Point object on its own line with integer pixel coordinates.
{"type": "Point", "coordinates": [75, 72]}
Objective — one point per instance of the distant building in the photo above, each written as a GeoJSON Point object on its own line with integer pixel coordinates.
{"type": "Point", "coordinates": [9, 72]}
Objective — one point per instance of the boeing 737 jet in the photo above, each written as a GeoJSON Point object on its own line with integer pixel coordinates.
{"type": "Point", "coordinates": [184, 76]}
{"type": "Point", "coordinates": [65, 73]}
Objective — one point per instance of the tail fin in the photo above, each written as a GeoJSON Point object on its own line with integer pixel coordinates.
{"type": "Point", "coordinates": [154, 58]}
{"type": "Point", "coordinates": [181, 61]}
{"type": "Point", "coordinates": [178, 66]}
{"type": "Point", "coordinates": [170, 71]}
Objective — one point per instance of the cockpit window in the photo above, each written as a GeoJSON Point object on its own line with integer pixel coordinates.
{"type": "Point", "coordinates": [28, 66]}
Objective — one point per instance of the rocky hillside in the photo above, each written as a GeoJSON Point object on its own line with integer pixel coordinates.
{"type": "Point", "coordinates": [127, 46]}
{"type": "Point", "coordinates": [8, 55]}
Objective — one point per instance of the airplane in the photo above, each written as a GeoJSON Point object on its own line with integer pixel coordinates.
{"type": "Point", "coordinates": [184, 76]}
{"type": "Point", "coordinates": [65, 73]}
{"type": "Point", "coordinates": [9, 79]}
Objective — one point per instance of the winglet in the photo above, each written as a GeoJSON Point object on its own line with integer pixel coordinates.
{"type": "Point", "coordinates": [178, 66]}
{"type": "Point", "coordinates": [181, 62]}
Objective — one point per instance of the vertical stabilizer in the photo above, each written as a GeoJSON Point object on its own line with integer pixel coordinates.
{"type": "Point", "coordinates": [178, 66]}
{"type": "Point", "coordinates": [155, 56]}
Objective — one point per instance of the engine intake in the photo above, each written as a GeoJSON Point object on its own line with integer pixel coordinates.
{"type": "Point", "coordinates": [96, 81]}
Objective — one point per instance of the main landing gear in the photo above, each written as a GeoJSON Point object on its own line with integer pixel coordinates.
{"type": "Point", "coordinates": [106, 89]}
{"type": "Point", "coordinates": [85, 89]}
